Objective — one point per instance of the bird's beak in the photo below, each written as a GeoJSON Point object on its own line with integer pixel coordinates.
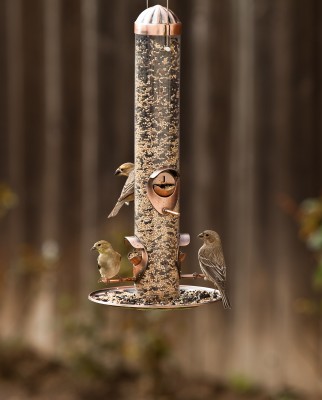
{"type": "Point", "coordinates": [200, 235]}
{"type": "Point", "coordinates": [117, 172]}
{"type": "Point", "coordinates": [93, 248]}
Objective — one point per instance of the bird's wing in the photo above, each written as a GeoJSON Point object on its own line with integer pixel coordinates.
{"type": "Point", "coordinates": [126, 195]}
{"type": "Point", "coordinates": [117, 257]}
{"type": "Point", "coordinates": [215, 269]}
{"type": "Point", "coordinates": [128, 188]}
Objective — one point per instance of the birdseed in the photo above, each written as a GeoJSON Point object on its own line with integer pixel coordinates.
{"type": "Point", "coordinates": [133, 298]}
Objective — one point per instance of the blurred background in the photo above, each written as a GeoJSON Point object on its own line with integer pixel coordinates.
{"type": "Point", "coordinates": [251, 166]}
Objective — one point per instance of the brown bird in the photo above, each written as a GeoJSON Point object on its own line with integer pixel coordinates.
{"type": "Point", "coordinates": [127, 194]}
{"type": "Point", "coordinates": [212, 262]}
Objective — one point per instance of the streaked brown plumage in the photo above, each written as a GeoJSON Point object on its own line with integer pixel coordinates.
{"type": "Point", "coordinates": [212, 262]}
{"type": "Point", "coordinates": [127, 194]}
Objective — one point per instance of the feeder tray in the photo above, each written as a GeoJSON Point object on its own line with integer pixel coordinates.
{"type": "Point", "coordinates": [127, 297]}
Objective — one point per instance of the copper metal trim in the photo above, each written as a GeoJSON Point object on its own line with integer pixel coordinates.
{"type": "Point", "coordinates": [134, 242]}
{"type": "Point", "coordinates": [164, 205]}
{"type": "Point", "coordinates": [158, 29]}
{"type": "Point", "coordinates": [138, 269]}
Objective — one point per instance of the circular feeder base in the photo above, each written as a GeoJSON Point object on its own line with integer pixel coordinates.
{"type": "Point", "coordinates": [127, 297]}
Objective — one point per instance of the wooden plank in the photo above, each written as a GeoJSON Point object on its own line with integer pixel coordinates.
{"type": "Point", "coordinates": [3, 96]}
{"type": "Point", "coordinates": [263, 275]}
{"type": "Point", "coordinates": [241, 183]}
{"type": "Point", "coordinates": [70, 206]}
{"type": "Point", "coordinates": [42, 319]}
{"type": "Point", "coordinates": [89, 167]}
{"type": "Point", "coordinates": [15, 156]}
{"type": "Point", "coordinates": [53, 121]}
{"type": "Point", "coordinates": [33, 118]}
{"type": "Point", "coordinates": [108, 160]}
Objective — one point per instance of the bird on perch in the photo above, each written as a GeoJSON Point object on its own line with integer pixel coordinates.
{"type": "Point", "coordinates": [108, 260]}
{"type": "Point", "coordinates": [212, 262]}
{"type": "Point", "coordinates": [127, 194]}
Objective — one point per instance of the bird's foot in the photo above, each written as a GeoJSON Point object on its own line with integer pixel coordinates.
{"type": "Point", "coordinates": [103, 280]}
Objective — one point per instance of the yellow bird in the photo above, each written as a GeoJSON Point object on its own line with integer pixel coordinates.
{"type": "Point", "coordinates": [108, 260]}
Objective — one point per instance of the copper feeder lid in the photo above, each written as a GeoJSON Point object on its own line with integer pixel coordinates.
{"type": "Point", "coordinates": [157, 21]}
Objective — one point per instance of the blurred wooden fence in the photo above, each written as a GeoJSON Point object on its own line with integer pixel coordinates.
{"type": "Point", "coordinates": [251, 133]}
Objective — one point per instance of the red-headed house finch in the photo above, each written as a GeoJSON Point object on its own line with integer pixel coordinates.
{"type": "Point", "coordinates": [108, 260]}
{"type": "Point", "coordinates": [212, 262]}
{"type": "Point", "coordinates": [127, 194]}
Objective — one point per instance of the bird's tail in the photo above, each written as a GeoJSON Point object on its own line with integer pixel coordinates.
{"type": "Point", "coordinates": [225, 300]}
{"type": "Point", "coordinates": [224, 297]}
{"type": "Point", "coordinates": [116, 209]}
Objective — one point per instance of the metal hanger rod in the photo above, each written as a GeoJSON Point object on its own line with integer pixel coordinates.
{"type": "Point", "coordinates": [147, 5]}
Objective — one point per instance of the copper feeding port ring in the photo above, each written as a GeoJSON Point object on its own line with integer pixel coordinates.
{"type": "Point", "coordinates": [163, 190]}
{"type": "Point", "coordinates": [164, 184]}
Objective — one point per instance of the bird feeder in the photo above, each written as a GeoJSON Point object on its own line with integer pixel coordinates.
{"type": "Point", "coordinates": [157, 240]}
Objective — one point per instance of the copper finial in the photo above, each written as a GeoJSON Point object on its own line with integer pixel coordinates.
{"type": "Point", "coordinates": [158, 21]}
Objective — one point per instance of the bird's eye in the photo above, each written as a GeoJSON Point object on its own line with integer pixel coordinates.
{"type": "Point", "coordinates": [207, 235]}
{"type": "Point", "coordinates": [99, 244]}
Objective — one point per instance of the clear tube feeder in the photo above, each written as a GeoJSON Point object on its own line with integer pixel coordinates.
{"type": "Point", "coordinates": [157, 240]}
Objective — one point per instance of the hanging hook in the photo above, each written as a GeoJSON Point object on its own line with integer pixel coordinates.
{"type": "Point", "coordinates": [167, 28]}
{"type": "Point", "coordinates": [167, 47]}
{"type": "Point", "coordinates": [147, 5]}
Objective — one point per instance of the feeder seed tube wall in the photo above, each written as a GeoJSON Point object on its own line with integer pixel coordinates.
{"type": "Point", "coordinates": [157, 131]}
